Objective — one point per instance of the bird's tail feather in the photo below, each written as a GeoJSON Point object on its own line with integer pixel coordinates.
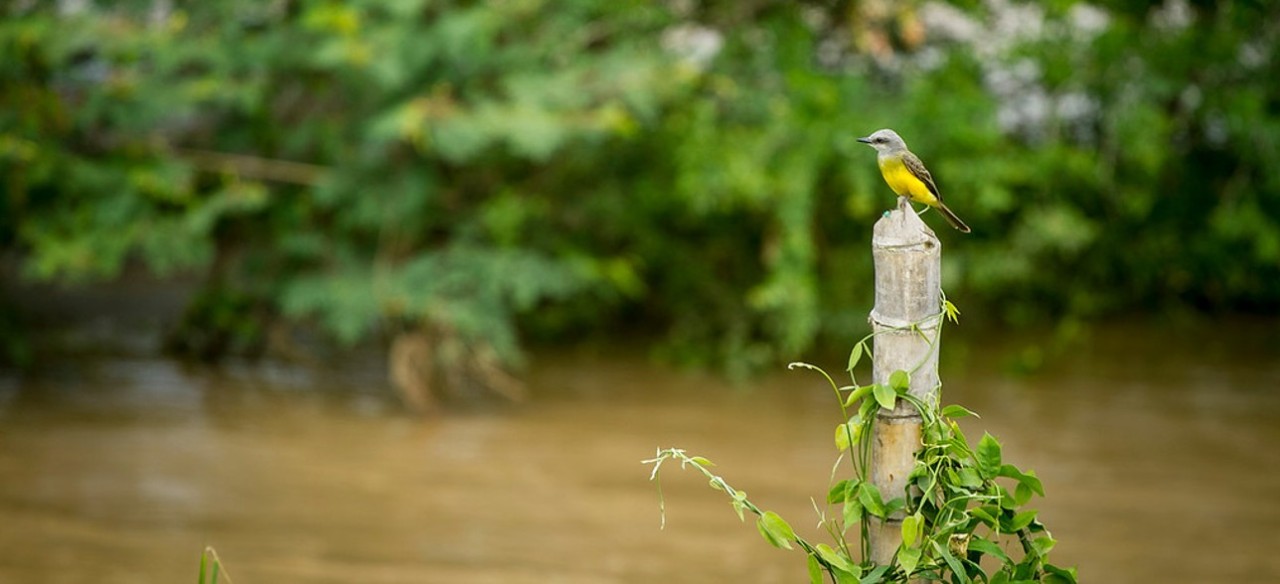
{"type": "Point", "coordinates": [952, 219]}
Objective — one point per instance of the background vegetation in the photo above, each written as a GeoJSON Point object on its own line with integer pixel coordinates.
{"type": "Point", "coordinates": [492, 171]}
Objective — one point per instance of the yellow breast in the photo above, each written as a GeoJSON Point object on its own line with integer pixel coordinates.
{"type": "Point", "coordinates": [904, 183]}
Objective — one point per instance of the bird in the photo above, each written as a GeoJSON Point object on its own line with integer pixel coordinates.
{"type": "Point", "coordinates": [906, 175]}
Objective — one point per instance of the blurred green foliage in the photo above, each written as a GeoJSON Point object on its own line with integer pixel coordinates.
{"type": "Point", "coordinates": [679, 168]}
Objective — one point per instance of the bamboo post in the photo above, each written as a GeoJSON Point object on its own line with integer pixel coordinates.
{"type": "Point", "coordinates": [908, 269]}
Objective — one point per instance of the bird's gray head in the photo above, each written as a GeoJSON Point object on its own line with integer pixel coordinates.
{"type": "Point", "coordinates": [885, 141]}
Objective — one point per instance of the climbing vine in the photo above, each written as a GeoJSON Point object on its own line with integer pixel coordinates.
{"type": "Point", "coordinates": [963, 514]}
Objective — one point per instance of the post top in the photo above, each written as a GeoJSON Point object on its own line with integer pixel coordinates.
{"type": "Point", "coordinates": [901, 227]}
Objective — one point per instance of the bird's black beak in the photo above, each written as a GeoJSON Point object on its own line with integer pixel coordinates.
{"type": "Point", "coordinates": [865, 140]}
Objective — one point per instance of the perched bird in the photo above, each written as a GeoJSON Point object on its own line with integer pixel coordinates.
{"type": "Point", "coordinates": [906, 175]}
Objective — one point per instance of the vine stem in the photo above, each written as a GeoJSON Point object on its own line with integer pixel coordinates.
{"type": "Point", "coordinates": [719, 482]}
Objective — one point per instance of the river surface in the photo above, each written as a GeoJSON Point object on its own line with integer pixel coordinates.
{"type": "Point", "coordinates": [1159, 449]}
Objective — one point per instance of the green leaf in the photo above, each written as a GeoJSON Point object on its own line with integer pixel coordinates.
{"type": "Point", "coordinates": [842, 437]}
{"type": "Point", "coordinates": [815, 570]}
{"type": "Point", "coordinates": [987, 513]}
{"type": "Point", "coordinates": [958, 443]}
{"type": "Point", "coordinates": [1043, 545]}
{"type": "Point", "coordinates": [1025, 571]}
{"type": "Point", "coordinates": [837, 560]}
{"type": "Point", "coordinates": [958, 411]}
{"type": "Point", "coordinates": [988, 547]}
{"type": "Point", "coordinates": [885, 396]}
{"type": "Point", "coordinates": [1028, 478]}
{"type": "Point", "coordinates": [852, 512]}
{"type": "Point", "coordinates": [988, 455]}
{"type": "Point", "coordinates": [894, 505]}
{"type": "Point", "coordinates": [968, 477]}
{"type": "Point", "coordinates": [1006, 499]}
{"type": "Point", "coordinates": [900, 380]}
{"type": "Point", "coordinates": [926, 482]}
{"type": "Point", "coordinates": [857, 394]}
{"type": "Point", "coordinates": [908, 559]}
{"type": "Point", "coordinates": [740, 504]}
{"type": "Point", "coordinates": [847, 434]}
{"type": "Point", "coordinates": [1018, 521]}
{"type": "Point", "coordinates": [867, 407]}
{"type": "Point", "coordinates": [854, 356]}
{"type": "Point", "coordinates": [953, 313]}
{"type": "Point", "coordinates": [1021, 494]}
{"type": "Point", "coordinates": [702, 461]}
{"type": "Point", "coordinates": [775, 530]}
{"type": "Point", "coordinates": [843, 577]}
{"type": "Point", "coordinates": [869, 496]}
{"type": "Point", "coordinates": [1056, 575]}
{"type": "Point", "coordinates": [876, 575]}
{"type": "Point", "coordinates": [957, 569]}
{"type": "Point", "coordinates": [838, 492]}
{"type": "Point", "coordinates": [911, 527]}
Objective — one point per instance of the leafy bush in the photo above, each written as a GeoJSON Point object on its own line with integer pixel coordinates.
{"type": "Point", "coordinates": [591, 164]}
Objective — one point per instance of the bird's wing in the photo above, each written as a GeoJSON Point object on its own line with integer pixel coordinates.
{"type": "Point", "coordinates": [917, 168]}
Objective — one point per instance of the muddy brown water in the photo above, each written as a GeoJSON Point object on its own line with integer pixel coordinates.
{"type": "Point", "coordinates": [1160, 452]}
